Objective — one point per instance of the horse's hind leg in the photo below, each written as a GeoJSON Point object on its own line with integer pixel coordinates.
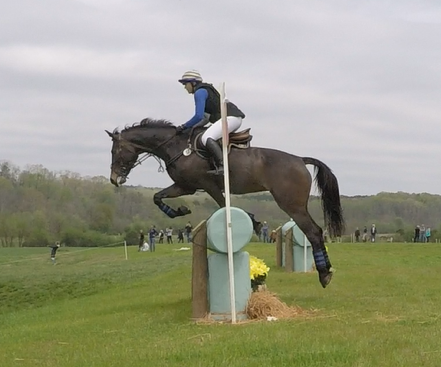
{"type": "Point", "coordinates": [298, 212]}
{"type": "Point", "coordinates": [315, 235]}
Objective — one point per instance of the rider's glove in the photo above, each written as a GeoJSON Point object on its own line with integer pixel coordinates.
{"type": "Point", "coordinates": [180, 129]}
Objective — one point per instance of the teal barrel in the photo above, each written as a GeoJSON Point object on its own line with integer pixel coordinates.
{"type": "Point", "coordinates": [241, 227]}
{"type": "Point", "coordinates": [219, 285]}
{"type": "Point", "coordinates": [218, 274]}
{"type": "Point", "coordinates": [299, 242]}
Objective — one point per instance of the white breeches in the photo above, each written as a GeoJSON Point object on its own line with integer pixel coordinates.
{"type": "Point", "coordinates": [215, 131]}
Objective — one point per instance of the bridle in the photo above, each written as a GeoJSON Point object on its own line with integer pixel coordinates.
{"type": "Point", "coordinates": [124, 143]}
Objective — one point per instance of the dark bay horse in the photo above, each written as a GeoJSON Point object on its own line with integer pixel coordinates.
{"type": "Point", "coordinates": [284, 175]}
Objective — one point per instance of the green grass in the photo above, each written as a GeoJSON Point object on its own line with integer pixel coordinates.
{"type": "Point", "coordinates": [94, 308]}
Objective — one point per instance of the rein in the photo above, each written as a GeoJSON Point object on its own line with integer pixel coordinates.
{"type": "Point", "coordinates": [131, 146]}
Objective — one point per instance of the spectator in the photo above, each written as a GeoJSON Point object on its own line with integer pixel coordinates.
{"type": "Point", "coordinates": [357, 235]}
{"type": "Point", "coordinates": [152, 234]}
{"type": "Point", "coordinates": [428, 234]}
{"type": "Point", "coordinates": [169, 234]}
{"type": "Point", "coordinates": [188, 229]}
{"type": "Point", "coordinates": [273, 236]}
{"type": "Point", "coordinates": [422, 233]}
{"type": "Point", "coordinates": [265, 229]}
{"type": "Point", "coordinates": [416, 237]}
{"type": "Point", "coordinates": [373, 232]}
{"type": "Point", "coordinates": [161, 236]}
{"type": "Point", "coordinates": [54, 251]}
{"type": "Point", "coordinates": [141, 240]}
{"type": "Point", "coordinates": [364, 238]}
{"type": "Point", "coordinates": [180, 236]}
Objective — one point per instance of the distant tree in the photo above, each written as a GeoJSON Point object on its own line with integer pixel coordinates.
{"type": "Point", "coordinates": [22, 227]}
{"type": "Point", "coordinates": [7, 230]}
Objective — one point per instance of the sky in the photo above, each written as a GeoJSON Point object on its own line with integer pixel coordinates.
{"type": "Point", "coordinates": [356, 84]}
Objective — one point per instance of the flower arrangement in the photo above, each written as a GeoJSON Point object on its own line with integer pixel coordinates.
{"type": "Point", "coordinates": [258, 272]}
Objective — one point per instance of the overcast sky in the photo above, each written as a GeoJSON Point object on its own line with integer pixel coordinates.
{"type": "Point", "coordinates": [356, 84]}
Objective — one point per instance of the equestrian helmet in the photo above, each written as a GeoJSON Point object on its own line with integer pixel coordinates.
{"type": "Point", "coordinates": [191, 76]}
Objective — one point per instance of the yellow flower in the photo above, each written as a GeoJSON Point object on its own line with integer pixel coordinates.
{"type": "Point", "coordinates": [258, 268]}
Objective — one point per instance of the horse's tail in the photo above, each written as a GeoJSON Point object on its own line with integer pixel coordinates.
{"type": "Point", "coordinates": [328, 187]}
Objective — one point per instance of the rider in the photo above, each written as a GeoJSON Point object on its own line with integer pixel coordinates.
{"type": "Point", "coordinates": [208, 109]}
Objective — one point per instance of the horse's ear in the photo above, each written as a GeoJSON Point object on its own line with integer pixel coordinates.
{"type": "Point", "coordinates": [109, 133]}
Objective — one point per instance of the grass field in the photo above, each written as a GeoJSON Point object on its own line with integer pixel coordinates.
{"type": "Point", "coordinates": [94, 308]}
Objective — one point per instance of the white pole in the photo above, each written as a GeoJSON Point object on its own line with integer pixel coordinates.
{"type": "Point", "coordinates": [305, 243]}
{"type": "Point", "coordinates": [125, 249]}
{"type": "Point", "coordinates": [227, 202]}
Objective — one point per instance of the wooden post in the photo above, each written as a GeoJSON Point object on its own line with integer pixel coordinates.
{"type": "Point", "coordinates": [289, 251]}
{"type": "Point", "coordinates": [199, 293]}
{"type": "Point", "coordinates": [279, 250]}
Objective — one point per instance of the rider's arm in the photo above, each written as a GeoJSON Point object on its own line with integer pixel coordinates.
{"type": "Point", "coordinates": [200, 97]}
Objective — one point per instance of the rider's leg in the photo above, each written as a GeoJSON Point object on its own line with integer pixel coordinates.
{"type": "Point", "coordinates": [213, 133]}
{"type": "Point", "coordinates": [216, 151]}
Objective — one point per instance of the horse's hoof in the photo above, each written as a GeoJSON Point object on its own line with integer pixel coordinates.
{"type": "Point", "coordinates": [325, 278]}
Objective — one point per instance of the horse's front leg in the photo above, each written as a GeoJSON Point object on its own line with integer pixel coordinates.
{"type": "Point", "coordinates": [172, 191]}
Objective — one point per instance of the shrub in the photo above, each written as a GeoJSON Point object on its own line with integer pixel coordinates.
{"type": "Point", "coordinates": [39, 237]}
{"type": "Point", "coordinates": [76, 238]}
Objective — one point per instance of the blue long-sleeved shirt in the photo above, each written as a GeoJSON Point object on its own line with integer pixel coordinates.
{"type": "Point", "coordinates": [200, 97]}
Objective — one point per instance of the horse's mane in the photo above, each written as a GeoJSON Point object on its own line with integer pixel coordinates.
{"type": "Point", "coordinates": [146, 123]}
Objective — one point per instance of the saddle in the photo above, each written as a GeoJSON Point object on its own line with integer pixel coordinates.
{"type": "Point", "coordinates": [240, 140]}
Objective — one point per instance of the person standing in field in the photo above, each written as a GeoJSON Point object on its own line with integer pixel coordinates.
{"type": "Point", "coordinates": [54, 251]}
{"type": "Point", "coordinates": [273, 236]}
{"type": "Point", "coordinates": [357, 235]}
{"type": "Point", "coordinates": [423, 233]}
{"type": "Point", "coordinates": [364, 234]}
{"type": "Point", "coordinates": [141, 240]}
{"type": "Point", "coordinates": [161, 236]}
{"type": "Point", "coordinates": [169, 234]}
{"type": "Point", "coordinates": [428, 234]}
{"type": "Point", "coordinates": [373, 232]}
{"type": "Point", "coordinates": [188, 229]}
{"type": "Point", "coordinates": [180, 236]}
{"type": "Point", "coordinates": [152, 240]}
{"type": "Point", "coordinates": [416, 237]}
{"type": "Point", "coordinates": [265, 230]}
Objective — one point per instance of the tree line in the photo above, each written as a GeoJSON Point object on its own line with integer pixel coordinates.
{"type": "Point", "coordinates": [39, 207]}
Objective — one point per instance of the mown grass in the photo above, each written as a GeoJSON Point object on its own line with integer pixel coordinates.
{"type": "Point", "coordinates": [94, 308]}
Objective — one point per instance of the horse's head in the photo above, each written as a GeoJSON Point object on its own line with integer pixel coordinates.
{"type": "Point", "coordinates": [155, 137]}
{"type": "Point", "coordinates": [124, 156]}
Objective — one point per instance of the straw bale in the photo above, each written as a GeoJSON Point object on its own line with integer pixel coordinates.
{"type": "Point", "coordinates": [264, 304]}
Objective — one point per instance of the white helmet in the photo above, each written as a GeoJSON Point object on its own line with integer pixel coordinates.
{"type": "Point", "coordinates": [191, 76]}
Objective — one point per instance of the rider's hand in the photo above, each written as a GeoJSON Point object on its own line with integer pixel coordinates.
{"type": "Point", "coordinates": [180, 129]}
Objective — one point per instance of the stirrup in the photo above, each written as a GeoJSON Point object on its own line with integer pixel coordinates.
{"type": "Point", "coordinates": [217, 171]}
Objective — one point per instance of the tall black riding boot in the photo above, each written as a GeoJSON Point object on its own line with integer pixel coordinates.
{"type": "Point", "coordinates": [214, 148]}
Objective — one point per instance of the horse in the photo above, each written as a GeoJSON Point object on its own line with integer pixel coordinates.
{"type": "Point", "coordinates": [251, 170]}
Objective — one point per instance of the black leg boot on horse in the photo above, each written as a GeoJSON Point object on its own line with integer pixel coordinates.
{"type": "Point", "coordinates": [216, 151]}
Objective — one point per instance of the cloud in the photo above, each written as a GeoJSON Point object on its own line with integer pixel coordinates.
{"type": "Point", "coordinates": [354, 84]}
